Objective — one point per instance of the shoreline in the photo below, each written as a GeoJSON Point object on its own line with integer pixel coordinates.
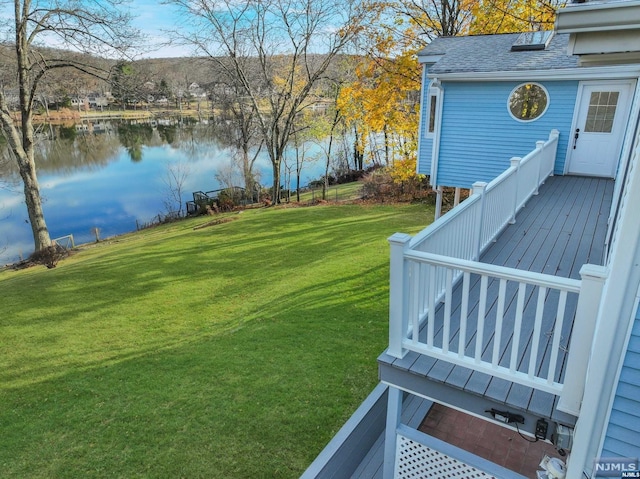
{"type": "Point", "coordinates": [67, 115]}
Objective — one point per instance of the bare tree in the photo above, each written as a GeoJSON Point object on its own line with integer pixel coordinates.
{"type": "Point", "coordinates": [228, 174]}
{"type": "Point", "coordinates": [174, 183]}
{"type": "Point", "coordinates": [436, 18]}
{"type": "Point", "coordinates": [327, 147]}
{"type": "Point", "coordinates": [275, 51]}
{"type": "Point", "coordinates": [96, 27]}
{"type": "Point", "coordinates": [238, 120]}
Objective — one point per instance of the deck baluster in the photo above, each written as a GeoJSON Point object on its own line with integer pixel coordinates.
{"type": "Point", "coordinates": [482, 307]}
{"type": "Point", "coordinates": [447, 311]}
{"type": "Point", "coordinates": [499, 317]}
{"type": "Point", "coordinates": [517, 329]}
{"type": "Point", "coordinates": [557, 332]}
{"type": "Point", "coordinates": [464, 311]}
{"type": "Point", "coordinates": [537, 331]}
{"type": "Point", "coordinates": [432, 305]}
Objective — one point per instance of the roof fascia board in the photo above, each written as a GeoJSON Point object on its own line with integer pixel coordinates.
{"type": "Point", "coordinates": [629, 57]}
{"type": "Point", "coordinates": [429, 59]}
{"type": "Point", "coordinates": [584, 73]}
{"type": "Point", "coordinates": [576, 18]}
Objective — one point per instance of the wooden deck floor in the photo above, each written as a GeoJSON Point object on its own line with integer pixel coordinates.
{"type": "Point", "coordinates": [557, 232]}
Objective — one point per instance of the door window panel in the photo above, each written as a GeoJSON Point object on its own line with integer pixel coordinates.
{"type": "Point", "coordinates": [602, 111]}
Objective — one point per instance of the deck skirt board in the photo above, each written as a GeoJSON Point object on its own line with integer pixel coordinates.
{"type": "Point", "coordinates": [558, 231]}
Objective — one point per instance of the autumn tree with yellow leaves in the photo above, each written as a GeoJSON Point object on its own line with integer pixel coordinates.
{"type": "Point", "coordinates": [381, 104]}
{"type": "Point", "coordinates": [509, 16]}
{"type": "Point", "coordinates": [382, 101]}
{"type": "Point", "coordinates": [436, 18]}
{"type": "Point", "coordinates": [381, 107]}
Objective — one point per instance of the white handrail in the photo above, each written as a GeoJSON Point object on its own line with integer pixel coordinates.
{"type": "Point", "coordinates": [496, 271]}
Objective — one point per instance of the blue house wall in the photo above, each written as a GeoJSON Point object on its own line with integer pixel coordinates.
{"type": "Point", "coordinates": [623, 432]}
{"type": "Point", "coordinates": [479, 136]}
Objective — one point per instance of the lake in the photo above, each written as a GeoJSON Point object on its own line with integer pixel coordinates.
{"type": "Point", "coordinates": [112, 175]}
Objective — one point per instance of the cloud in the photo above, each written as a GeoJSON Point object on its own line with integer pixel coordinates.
{"type": "Point", "coordinates": [9, 202]}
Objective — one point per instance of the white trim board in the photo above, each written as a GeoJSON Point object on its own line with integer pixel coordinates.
{"type": "Point", "coordinates": [618, 373]}
{"type": "Point", "coordinates": [581, 73]}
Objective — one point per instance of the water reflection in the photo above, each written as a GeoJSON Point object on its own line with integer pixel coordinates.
{"type": "Point", "coordinates": [109, 174]}
{"type": "Point", "coordinates": [133, 137]}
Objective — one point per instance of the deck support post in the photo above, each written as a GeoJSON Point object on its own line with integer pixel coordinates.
{"type": "Point", "coordinates": [515, 163]}
{"type": "Point", "coordinates": [479, 188]}
{"type": "Point", "coordinates": [398, 294]}
{"type": "Point", "coordinates": [582, 338]}
{"type": "Point", "coordinates": [438, 202]}
{"type": "Point", "coordinates": [394, 414]}
{"type": "Point", "coordinates": [456, 197]}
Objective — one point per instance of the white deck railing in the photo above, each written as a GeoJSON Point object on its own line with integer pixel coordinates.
{"type": "Point", "coordinates": [517, 323]}
{"type": "Point", "coordinates": [469, 228]}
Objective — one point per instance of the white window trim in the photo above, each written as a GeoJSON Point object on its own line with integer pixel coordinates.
{"type": "Point", "coordinates": [432, 108]}
{"type": "Point", "coordinates": [435, 89]}
{"type": "Point", "coordinates": [434, 93]}
{"type": "Point", "coordinates": [520, 120]}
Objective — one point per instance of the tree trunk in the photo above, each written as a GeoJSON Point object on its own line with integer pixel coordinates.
{"type": "Point", "coordinates": [25, 154]}
{"type": "Point", "coordinates": [386, 145]}
{"type": "Point", "coordinates": [298, 168]}
{"type": "Point", "coordinates": [33, 199]}
{"type": "Point", "coordinates": [298, 184]}
{"type": "Point", "coordinates": [358, 155]}
{"type": "Point", "coordinates": [276, 182]}
{"type": "Point", "coordinates": [246, 170]}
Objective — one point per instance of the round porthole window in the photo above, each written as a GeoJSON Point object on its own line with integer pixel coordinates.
{"type": "Point", "coordinates": [528, 101]}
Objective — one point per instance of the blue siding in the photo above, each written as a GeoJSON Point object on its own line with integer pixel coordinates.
{"type": "Point", "coordinates": [425, 145]}
{"type": "Point", "coordinates": [479, 137]}
{"type": "Point", "coordinates": [623, 431]}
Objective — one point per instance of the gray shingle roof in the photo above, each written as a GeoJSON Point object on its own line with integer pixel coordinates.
{"type": "Point", "coordinates": [492, 53]}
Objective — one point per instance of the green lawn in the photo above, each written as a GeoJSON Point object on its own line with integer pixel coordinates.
{"type": "Point", "coordinates": [232, 351]}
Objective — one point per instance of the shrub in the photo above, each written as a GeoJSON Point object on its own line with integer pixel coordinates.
{"type": "Point", "coordinates": [399, 182]}
{"type": "Point", "coordinates": [49, 256]}
{"type": "Point", "coordinates": [377, 185]}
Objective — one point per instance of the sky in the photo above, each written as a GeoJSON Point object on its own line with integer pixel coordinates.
{"type": "Point", "coordinates": [151, 17]}
{"type": "Point", "coordinates": [154, 19]}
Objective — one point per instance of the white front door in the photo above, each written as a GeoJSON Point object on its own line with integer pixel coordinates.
{"type": "Point", "coordinates": [598, 131]}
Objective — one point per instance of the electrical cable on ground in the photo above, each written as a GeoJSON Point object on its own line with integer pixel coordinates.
{"type": "Point", "coordinates": [524, 437]}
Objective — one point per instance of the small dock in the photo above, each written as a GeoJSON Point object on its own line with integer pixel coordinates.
{"type": "Point", "coordinates": [212, 198]}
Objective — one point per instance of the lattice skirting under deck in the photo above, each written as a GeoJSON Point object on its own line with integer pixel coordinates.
{"type": "Point", "coordinates": [417, 461]}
